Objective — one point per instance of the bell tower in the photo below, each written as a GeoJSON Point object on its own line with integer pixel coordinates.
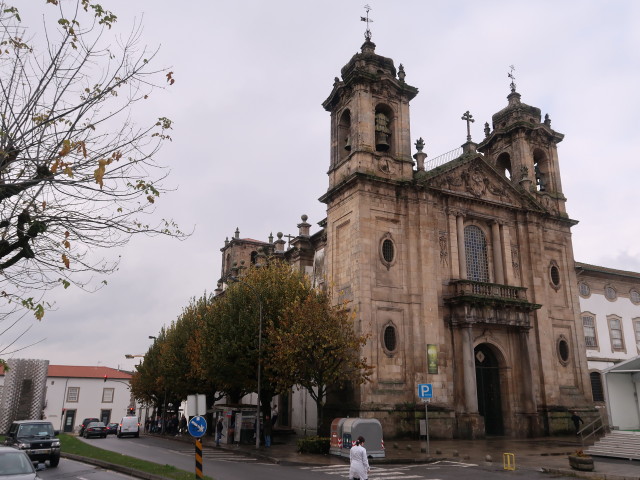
{"type": "Point", "coordinates": [370, 118]}
{"type": "Point", "coordinates": [523, 147]}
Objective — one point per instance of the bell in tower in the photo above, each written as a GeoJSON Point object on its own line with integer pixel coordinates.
{"type": "Point", "coordinates": [382, 132]}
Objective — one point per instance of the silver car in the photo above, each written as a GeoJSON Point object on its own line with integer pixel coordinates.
{"type": "Point", "coordinates": [16, 465]}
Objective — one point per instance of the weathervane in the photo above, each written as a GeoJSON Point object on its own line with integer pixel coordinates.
{"type": "Point", "coordinates": [367, 33]}
{"type": "Point", "coordinates": [469, 119]}
{"type": "Point", "coordinates": [513, 78]}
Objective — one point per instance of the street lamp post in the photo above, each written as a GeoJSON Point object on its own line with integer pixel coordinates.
{"type": "Point", "coordinates": [255, 292]}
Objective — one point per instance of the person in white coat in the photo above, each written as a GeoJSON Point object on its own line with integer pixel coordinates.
{"type": "Point", "coordinates": [359, 464]}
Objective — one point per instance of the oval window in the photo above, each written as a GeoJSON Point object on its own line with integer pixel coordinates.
{"type": "Point", "coordinates": [563, 350]}
{"type": "Point", "coordinates": [585, 291]}
{"type": "Point", "coordinates": [610, 292]}
{"type": "Point", "coordinates": [388, 251]}
{"type": "Point", "coordinates": [390, 341]}
{"type": "Point", "coordinates": [635, 296]}
{"type": "Point", "coordinates": [555, 275]}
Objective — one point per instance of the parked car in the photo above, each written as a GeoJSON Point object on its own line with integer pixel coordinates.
{"type": "Point", "coordinates": [95, 429]}
{"type": "Point", "coordinates": [16, 465]}
{"type": "Point", "coordinates": [112, 428]}
{"type": "Point", "coordinates": [37, 438]}
{"type": "Point", "coordinates": [86, 422]}
{"type": "Point", "coordinates": [129, 426]}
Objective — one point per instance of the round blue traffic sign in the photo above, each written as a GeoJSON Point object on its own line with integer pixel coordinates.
{"type": "Point", "coordinates": [197, 426]}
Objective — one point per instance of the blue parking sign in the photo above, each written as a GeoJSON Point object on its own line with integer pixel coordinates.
{"type": "Point", "coordinates": [425, 390]}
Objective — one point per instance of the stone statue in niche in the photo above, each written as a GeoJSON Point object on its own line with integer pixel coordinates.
{"type": "Point", "coordinates": [444, 253]}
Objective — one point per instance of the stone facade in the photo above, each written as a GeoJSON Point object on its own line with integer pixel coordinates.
{"type": "Point", "coordinates": [469, 258]}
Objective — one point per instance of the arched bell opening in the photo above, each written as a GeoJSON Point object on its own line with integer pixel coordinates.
{"type": "Point", "coordinates": [384, 128]}
{"type": "Point", "coordinates": [344, 135]}
{"type": "Point", "coordinates": [503, 164]}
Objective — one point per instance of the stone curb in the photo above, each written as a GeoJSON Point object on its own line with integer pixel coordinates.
{"type": "Point", "coordinates": [588, 475]}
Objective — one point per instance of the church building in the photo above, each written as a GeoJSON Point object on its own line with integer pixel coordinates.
{"type": "Point", "coordinates": [460, 267]}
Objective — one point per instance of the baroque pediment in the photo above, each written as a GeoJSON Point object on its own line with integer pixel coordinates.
{"type": "Point", "coordinates": [474, 178]}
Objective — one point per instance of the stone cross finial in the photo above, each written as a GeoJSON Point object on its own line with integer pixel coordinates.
{"type": "Point", "coordinates": [469, 119]}
{"type": "Point", "coordinates": [367, 33]}
{"type": "Point", "coordinates": [512, 77]}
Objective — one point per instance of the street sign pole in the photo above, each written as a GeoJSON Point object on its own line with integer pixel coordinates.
{"type": "Point", "coordinates": [426, 420]}
{"type": "Point", "coordinates": [425, 392]}
{"type": "Point", "coordinates": [197, 428]}
{"type": "Point", "coordinates": [199, 475]}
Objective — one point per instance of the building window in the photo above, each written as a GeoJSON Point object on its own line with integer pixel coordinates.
{"type": "Point", "coordinates": [636, 329]}
{"type": "Point", "coordinates": [589, 326]}
{"type": "Point", "coordinates": [554, 275]}
{"type": "Point", "coordinates": [610, 292]}
{"type": "Point", "coordinates": [73, 394]}
{"type": "Point", "coordinates": [562, 347]}
{"type": "Point", "coordinates": [387, 250]}
{"type": "Point", "coordinates": [615, 333]}
{"type": "Point", "coordinates": [584, 289]}
{"type": "Point", "coordinates": [107, 395]}
{"type": "Point", "coordinates": [475, 247]}
{"type": "Point", "coordinates": [390, 338]}
{"type": "Point", "coordinates": [634, 295]}
{"type": "Point", "coordinates": [596, 386]}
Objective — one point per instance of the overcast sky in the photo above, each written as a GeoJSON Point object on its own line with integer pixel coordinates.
{"type": "Point", "coordinates": [251, 140]}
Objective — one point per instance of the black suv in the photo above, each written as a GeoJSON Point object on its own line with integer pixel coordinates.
{"type": "Point", "coordinates": [37, 438]}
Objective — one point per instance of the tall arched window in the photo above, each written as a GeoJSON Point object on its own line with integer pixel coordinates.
{"type": "Point", "coordinates": [475, 246]}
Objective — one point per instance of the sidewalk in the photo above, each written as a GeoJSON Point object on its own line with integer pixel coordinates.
{"type": "Point", "coordinates": [547, 454]}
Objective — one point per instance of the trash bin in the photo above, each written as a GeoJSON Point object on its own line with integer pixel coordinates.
{"type": "Point", "coordinates": [370, 429]}
{"type": "Point", "coordinates": [336, 436]}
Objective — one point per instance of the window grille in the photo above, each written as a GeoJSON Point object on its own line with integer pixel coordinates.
{"type": "Point", "coordinates": [388, 251]}
{"type": "Point", "coordinates": [475, 246]}
{"type": "Point", "coordinates": [390, 341]}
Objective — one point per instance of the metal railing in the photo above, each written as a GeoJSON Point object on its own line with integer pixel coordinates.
{"type": "Point", "coordinates": [442, 159]}
{"type": "Point", "coordinates": [594, 427]}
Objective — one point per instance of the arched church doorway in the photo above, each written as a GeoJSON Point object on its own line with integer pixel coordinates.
{"type": "Point", "coordinates": [488, 388]}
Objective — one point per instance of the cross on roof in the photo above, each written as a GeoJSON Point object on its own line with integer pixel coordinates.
{"type": "Point", "coordinates": [512, 77]}
{"type": "Point", "coordinates": [469, 119]}
{"type": "Point", "coordinates": [367, 33]}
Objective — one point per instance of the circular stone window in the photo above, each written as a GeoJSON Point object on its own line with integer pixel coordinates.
{"type": "Point", "coordinates": [584, 289]}
{"type": "Point", "coordinates": [390, 339]}
{"type": "Point", "coordinates": [555, 275]}
{"type": "Point", "coordinates": [563, 350]}
{"type": "Point", "coordinates": [610, 292]}
{"type": "Point", "coordinates": [634, 295]}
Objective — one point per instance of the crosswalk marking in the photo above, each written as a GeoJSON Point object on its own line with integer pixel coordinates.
{"type": "Point", "coordinates": [375, 473]}
{"type": "Point", "coordinates": [218, 455]}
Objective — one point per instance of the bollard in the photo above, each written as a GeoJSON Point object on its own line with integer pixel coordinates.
{"type": "Point", "coordinates": [199, 459]}
{"type": "Point", "coordinates": [509, 461]}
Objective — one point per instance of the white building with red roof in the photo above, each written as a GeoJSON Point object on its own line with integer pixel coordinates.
{"type": "Point", "coordinates": [75, 392]}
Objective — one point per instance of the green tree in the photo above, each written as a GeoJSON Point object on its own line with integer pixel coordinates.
{"type": "Point", "coordinates": [76, 172]}
{"type": "Point", "coordinates": [315, 346]}
{"type": "Point", "coordinates": [232, 340]}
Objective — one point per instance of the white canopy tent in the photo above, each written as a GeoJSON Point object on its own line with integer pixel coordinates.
{"type": "Point", "coordinates": [621, 388]}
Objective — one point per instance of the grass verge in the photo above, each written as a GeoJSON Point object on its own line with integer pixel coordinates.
{"type": "Point", "coordinates": [71, 444]}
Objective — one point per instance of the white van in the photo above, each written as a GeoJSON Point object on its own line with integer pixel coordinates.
{"type": "Point", "coordinates": [128, 426]}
